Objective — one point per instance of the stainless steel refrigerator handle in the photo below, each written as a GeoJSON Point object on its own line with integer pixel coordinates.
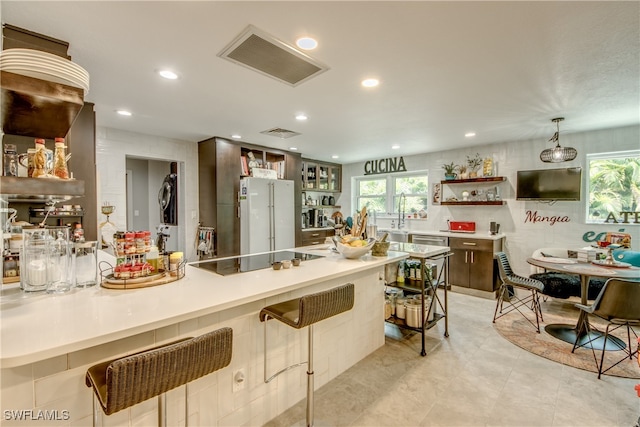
{"type": "Point", "coordinates": [272, 219]}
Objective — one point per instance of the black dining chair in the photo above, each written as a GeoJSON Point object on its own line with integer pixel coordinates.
{"type": "Point", "coordinates": [507, 293]}
{"type": "Point", "coordinates": [619, 304]}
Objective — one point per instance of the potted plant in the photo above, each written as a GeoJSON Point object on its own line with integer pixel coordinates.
{"type": "Point", "coordinates": [463, 172]}
{"type": "Point", "coordinates": [450, 171]}
{"type": "Point", "coordinates": [474, 164]}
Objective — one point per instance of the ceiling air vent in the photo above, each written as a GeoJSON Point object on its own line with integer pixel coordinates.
{"type": "Point", "coordinates": [280, 133]}
{"type": "Point", "coordinates": [267, 55]}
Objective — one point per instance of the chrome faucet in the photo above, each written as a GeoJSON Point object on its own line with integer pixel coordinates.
{"type": "Point", "coordinates": [402, 201]}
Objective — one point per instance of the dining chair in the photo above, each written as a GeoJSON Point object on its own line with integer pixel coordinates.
{"type": "Point", "coordinates": [507, 293]}
{"type": "Point", "coordinates": [619, 304]}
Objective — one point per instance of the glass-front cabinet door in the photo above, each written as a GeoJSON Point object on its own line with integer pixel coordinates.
{"type": "Point", "coordinates": [334, 179]}
{"type": "Point", "coordinates": [311, 170]}
{"type": "Point", "coordinates": [323, 178]}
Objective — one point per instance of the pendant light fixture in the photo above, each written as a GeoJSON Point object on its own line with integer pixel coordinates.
{"type": "Point", "coordinates": [558, 154]}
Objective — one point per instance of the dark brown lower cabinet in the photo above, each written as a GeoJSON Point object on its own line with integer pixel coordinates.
{"type": "Point", "coordinates": [471, 265]}
{"type": "Point", "coordinates": [315, 236]}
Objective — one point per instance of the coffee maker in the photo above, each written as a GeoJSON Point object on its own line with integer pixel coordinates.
{"type": "Point", "coordinates": [494, 227]}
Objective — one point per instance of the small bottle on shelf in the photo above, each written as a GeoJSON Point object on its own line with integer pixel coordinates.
{"type": "Point", "coordinates": [39, 159]}
{"type": "Point", "coordinates": [60, 168]}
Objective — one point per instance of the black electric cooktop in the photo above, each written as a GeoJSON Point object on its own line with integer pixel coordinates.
{"type": "Point", "coordinates": [241, 264]}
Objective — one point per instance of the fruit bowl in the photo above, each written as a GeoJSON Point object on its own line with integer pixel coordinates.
{"type": "Point", "coordinates": [353, 252]}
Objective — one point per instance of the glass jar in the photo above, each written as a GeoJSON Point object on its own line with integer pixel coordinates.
{"type": "Point", "coordinates": [59, 266]}
{"type": "Point", "coordinates": [85, 263]}
{"type": "Point", "coordinates": [33, 260]}
{"type": "Point", "coordinates": [10, 160]}
{"type": "Point", "coordinates": [60, 160]}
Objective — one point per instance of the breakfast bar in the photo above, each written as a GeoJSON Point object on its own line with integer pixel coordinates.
{"type": "Point", "coordinates": [48, 341]}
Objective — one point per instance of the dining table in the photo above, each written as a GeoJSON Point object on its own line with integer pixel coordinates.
{"type": "Point", "coordinates": [578, 333]}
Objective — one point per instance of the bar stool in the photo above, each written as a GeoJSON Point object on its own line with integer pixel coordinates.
{"type": "Point", "coordinates": [305, 311]}
{"type": "Point", "coordinates": [121, 383]}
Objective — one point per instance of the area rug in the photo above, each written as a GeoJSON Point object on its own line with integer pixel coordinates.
{"type": "Point", "coordinates": [515, 329]}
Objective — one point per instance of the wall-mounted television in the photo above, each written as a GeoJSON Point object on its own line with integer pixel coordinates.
{"type": "Point", "coordinates": [549, 184]}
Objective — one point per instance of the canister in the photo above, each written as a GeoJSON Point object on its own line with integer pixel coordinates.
{"type": "Point", "coordinates": [85, 264]}
{"type": "Point", "coordinates": [33, 260]}
{"type": "Point", "coordinates": [400, 307]}
{"type": "Point", "coordinates": [59, 271]}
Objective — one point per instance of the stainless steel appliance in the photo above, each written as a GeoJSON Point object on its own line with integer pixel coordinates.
{"type": "Point", "coordinates": [422, 239]}
{"type": "Point", "coordinates": [266, 215]}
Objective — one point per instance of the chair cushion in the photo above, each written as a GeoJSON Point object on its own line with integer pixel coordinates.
{"type": "Point", "coordinates": [563, 286]}
{"type": "Point", "coordinates": [626, 255]}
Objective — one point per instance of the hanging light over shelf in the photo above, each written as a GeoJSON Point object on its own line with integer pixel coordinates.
{"type": "Point", "coordinates": [558, 154]}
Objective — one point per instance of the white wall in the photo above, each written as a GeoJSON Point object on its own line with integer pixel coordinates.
{"type": "Point", "coordinates": [522, 238]}
{"type": "Point", "coordinates": [112, 148]}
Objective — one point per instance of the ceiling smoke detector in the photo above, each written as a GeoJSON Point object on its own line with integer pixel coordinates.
{"type": "Point", "coordinates": [267, 55]}
{"type": "Point", "coordinates": [280, 133]}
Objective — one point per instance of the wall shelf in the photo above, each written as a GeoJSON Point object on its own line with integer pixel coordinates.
{"type": "Point", "coordinates": [479, 200]}
{"type": "Point", "coordinates": [38, 108]}
{"type": "Point", "coordinates": [490, 179]}
{"type": "Point", "coordinates": [475, 203]}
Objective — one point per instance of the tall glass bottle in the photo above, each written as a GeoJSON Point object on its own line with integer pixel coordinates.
{"type": "Point", "coordinates": [60, 160]}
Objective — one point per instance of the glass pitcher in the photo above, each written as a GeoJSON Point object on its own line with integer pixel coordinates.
{"type": "Point", "coordinates": [33, 260]}
{"type": "Point", "coordinates": [59, 271]}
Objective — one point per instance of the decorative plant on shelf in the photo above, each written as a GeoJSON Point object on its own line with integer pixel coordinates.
{"type": "Point", "coordinates": [463, 172]}
{"type": "Point", "coordinates": [474, 164]}
{"type": "Point", "coordinates": [450, 171]}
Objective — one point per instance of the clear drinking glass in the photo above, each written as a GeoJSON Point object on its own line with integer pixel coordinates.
{"type": "Point", "coordinates": [59, 271]}
{"type": "Point", "coordinates": [33, 260]}
{"type": "Point", "coordinates": [85, 261]}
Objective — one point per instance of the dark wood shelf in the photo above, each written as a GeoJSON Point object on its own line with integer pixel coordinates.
{"type": "Point", "coordinates": [477, 203]}
{"type": "Point", "coordinates": [22, 189]}
{"type": "Point", "coordinates": [38, 108]}
{"type": "Point", "coordinates": [475, 180]}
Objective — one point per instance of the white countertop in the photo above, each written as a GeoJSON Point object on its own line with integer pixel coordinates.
{"type": "Point", "coordinates": [34, 327]}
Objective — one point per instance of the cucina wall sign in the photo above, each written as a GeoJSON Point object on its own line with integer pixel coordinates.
{"type": "Point", "coordinates": [391, 164]}
{"type": "Point", "coordinates": [623, 218]}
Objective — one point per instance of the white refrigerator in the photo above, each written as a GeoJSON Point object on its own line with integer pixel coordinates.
{"type": "Point", "coordinates": [266, 215]}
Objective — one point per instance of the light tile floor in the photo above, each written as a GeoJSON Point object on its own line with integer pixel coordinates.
{"type": "Point", "coordinates": [473, 378]}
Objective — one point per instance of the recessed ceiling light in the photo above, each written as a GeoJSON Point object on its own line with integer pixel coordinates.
{"type": "Point", "coordinates": [370, 82]}
{"type": "Point", "coordinates": [395, 146]}
{"type": "Point", "coordinates": [334, 156]}
{"type": "Point", "coordinates": [123, 112]}
{"type": "Point", "coordinates": [168, 74]}
{"type": "Point", "coordinates": [306, 43]}
{"type": "Point", "coordinates": [293, 148]}
{"type": "Point", "coordinates": [301, 117]}
{"type": "Point", "coordinates": [470, 134]}
{"type": "Point", "coordinates": [236, 136]}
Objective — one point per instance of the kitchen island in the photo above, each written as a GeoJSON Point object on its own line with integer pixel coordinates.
{"type": "Point", "coordinates": [48, 341]}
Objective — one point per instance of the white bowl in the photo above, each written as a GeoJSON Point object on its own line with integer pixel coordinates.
{"type": "Point", "coordinates": [354, 252]}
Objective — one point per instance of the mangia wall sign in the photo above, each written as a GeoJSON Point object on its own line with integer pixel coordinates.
{"type": "Point", "coordinates": [388, 165]}
{"type": "Point", "coordinates": [533, 217]}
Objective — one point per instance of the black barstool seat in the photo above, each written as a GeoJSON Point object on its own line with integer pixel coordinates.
{"type": "Point", "coordinates": [121, 383]}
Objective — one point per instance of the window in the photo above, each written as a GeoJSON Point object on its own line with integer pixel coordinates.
{"type": "Point", "coordinates": [382, 193]}
{"type": "Point", "coordinates": [613, 185]}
